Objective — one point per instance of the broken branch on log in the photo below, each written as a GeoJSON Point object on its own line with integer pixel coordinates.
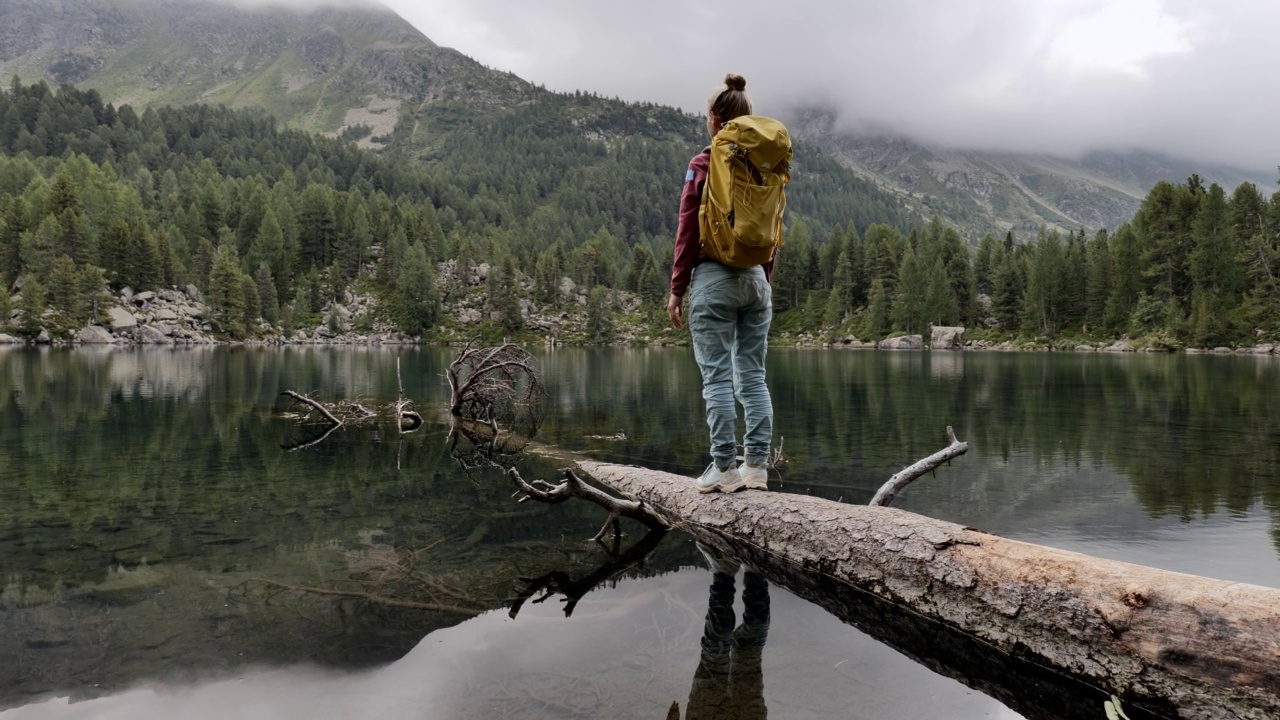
{"type": "Point", "coordinates": [574, 487]}
{"type": "Point", "coordinates": [905, 476]}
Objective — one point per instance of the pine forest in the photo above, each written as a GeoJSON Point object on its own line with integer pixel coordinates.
{"type": "Point", "coordinates": [507, 224]}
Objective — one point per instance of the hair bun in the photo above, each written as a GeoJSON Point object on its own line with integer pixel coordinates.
{"type": "Point", "coordinates": [735, 82]}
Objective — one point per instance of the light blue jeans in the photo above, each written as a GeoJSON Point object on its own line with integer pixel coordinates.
{"type": "Point", "coordinates": [729, 314]}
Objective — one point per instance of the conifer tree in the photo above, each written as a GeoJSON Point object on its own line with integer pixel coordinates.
{"type": "Point", "coordinates": [32, 306]}
{"type": "Point", "coordinates": [226, 294]}
{"type": "Point", "coordinates": [884, 249]}
{"type": "Point", "coordinates": [1074, 282]}
{"type": "Point", "coordinates": [252, 302]}
{"type": "Point", "coordinates": [504, 293]}
{"type": "Point", "coordinates": [418, 302]}
{"type": "Point", "coordinates": [1165, 239]}
{"type": "Point", "coordinates": [549, 270]}
{"type": "Point", "coordinates": [1215, 256]}
{"type": "Point", "coordinates": [39, 247]}
{"type": "Point", "coordinates": [601, 324]}
{"type": "Point", "coordinates": [93, 292]}
{"type": "Point", "coordinates": [146, 263]}
{"type": "Point", "coordinates": [939, 300]}
{"type": "Point", "coordinates": [13, 223]}
{"type": "Point", "coordinates": [212, 208]}
{"type": "Point", "coordinates": [909, 309]}
{"type": "Point", "coordinates": [267, 247]}
{"type": "Point", "coordinates": [984, 264]}
{"type": "Point", "coordinates": [393, 257]}
{"type": "Point", "coordinates": [1099, 278]}
{"type": "Point", "coordinates": [63, 293]}
{"type": "Point", "coordinates": [1043, 301]}
{"type": "Point", "coordinates": [843, 282]}
{"type": "Point", "coordinates": [114, 251]}
{"type": "Point", "coordinates": [267, 297]}
{"type": "Point", "coordinates": [171, 269]}
{"type": "Point", "coordinates": [831, 252]}
{"type": "Point", "coordinates": [353, 245]}
{"type": "Point", "coordinates": [1009, 285]}
{"type": "Point", "coordinates": [878, 315]}
{"type": "Point", "coordinates": [1126, 284]}
{"type": "Point", "coordinates": [642, 262]}
{"type": "Point", "coordinates": [317, 228]}
{"type": "Point", "coordinates": [77, 238]}
{"type": "Point", "coordinates": [856, 249]}
{"type": "Point", "coordinates": [791, 267]}
{"type": "Point", "coordinates": [835, 310]}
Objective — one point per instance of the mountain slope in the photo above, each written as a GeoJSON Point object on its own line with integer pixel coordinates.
{"type": "Point", "coordinates": [321, 70]}
{"type": "Point", "coordinates": [363, 73]}
{"type": "Point", "coordinates": [993, 192]}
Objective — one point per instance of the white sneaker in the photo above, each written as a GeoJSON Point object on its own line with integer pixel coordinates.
{"type": "Point", "coordinates": [754, 477]}
{"type": "Point", "coordinates": [713, 479]}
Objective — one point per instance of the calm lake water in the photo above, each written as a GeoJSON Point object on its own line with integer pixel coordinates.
{"type": "Point", "coordinates": [155, 527]}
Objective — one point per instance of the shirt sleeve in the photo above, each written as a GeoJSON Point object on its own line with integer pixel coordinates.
{"type": "Point", "coordinates": [688, 241]}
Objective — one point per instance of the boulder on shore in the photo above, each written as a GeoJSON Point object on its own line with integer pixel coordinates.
{"type": "Point", "coordinates": [95, 335]}
{"type": "Point", "coordinates": [946, 338]}
{"type": "Point", "coordinates": [1120, 346]}
{"type": "Point", "coordinates": [121, 319]}
{"type": "Point", "coordinates": [149, 335]}
{"type": "Point", "coordinates": [903, 342]}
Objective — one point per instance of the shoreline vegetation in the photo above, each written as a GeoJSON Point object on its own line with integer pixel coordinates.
{"type": "Point", "coordinates": [203, 225]}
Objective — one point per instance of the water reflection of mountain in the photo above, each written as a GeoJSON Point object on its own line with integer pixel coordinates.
{"type": "Point", "coordinates": [628, 653]}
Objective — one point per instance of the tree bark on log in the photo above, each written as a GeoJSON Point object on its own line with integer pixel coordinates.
{"type": "Point", "coordinates": [1169, 642]}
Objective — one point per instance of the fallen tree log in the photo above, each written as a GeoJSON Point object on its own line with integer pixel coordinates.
{"type": "Point", "coordinates": [1176, 645]}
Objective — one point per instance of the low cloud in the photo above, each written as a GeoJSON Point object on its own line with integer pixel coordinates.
{"type": "Point", "coordinates": [1058, 76]}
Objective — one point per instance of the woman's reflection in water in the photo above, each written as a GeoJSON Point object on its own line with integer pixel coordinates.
{"type": "Point", "coordinates": [729, 684]}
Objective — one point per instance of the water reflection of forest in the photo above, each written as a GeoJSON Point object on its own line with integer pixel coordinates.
{"type": "Point", "coordinates": [98, 436]}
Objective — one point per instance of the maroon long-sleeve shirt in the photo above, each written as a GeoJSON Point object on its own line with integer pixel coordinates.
{"type": "Point", "coordinates": [688, 241]}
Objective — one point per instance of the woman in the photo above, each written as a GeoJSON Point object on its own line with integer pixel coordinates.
{"type": "Point", "coordinates": [730, 310]}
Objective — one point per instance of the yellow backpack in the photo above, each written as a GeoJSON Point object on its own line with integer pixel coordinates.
{"type": "Point", "coordinates": [740, 221]}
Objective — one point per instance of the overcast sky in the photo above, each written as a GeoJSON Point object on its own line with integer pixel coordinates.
{"type": "Point", "coordinates": [1193, 79]}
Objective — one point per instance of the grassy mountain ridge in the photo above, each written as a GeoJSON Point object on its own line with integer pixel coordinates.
{"type": "Point", "coordinates": [985, 191]}
{"type": "Point", "coordinates": [320, 70]}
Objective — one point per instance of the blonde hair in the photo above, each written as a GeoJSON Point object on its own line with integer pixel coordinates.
{"type": "Point", "coordinates": [730, 100]}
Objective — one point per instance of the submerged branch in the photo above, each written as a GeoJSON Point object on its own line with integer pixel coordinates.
{"type": "Point", "coordinates": [314, 405]}
{"type": "Point", "coordinates": [374, 598]}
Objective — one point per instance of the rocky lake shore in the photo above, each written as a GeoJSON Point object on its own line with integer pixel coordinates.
{"type": "Point", "coordinates": [179, 316]}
